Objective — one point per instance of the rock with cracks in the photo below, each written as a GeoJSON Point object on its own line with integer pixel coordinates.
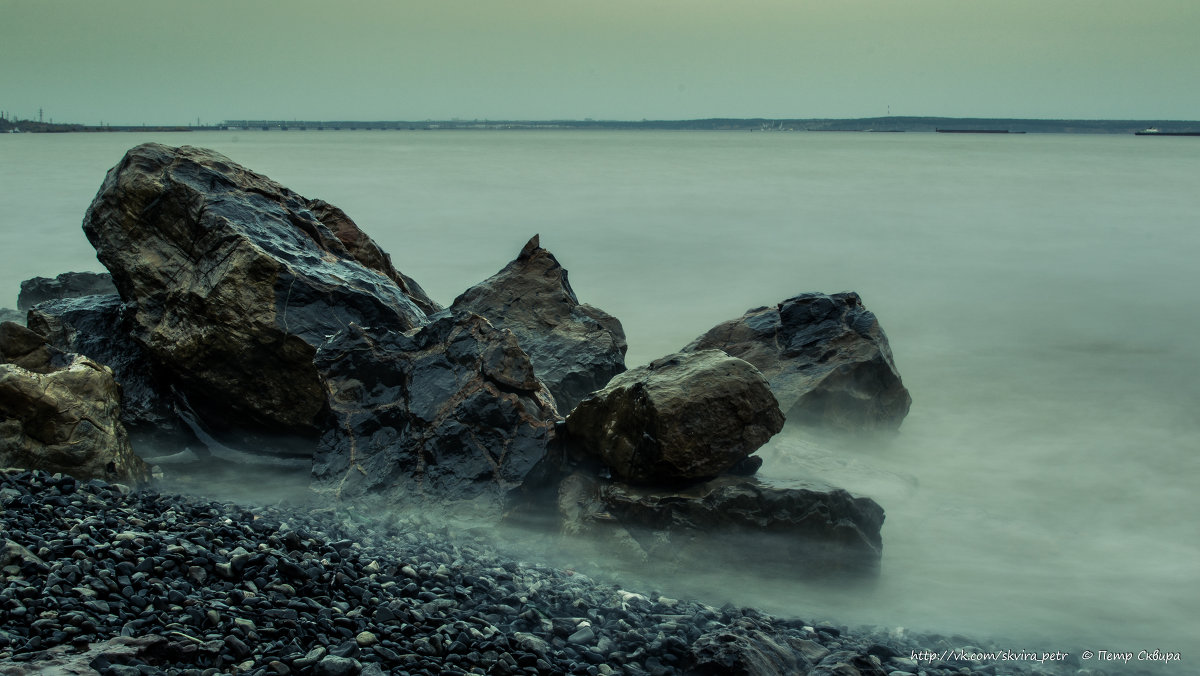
{"type": "Point", "coordinates": [575, 348]}
{"type": "Point", "coordinates": [680, 419]}
{"type": "Point", "coordinates": [826, 356]}
{"type": "Point", "coordinates": [60, 412]}
{"type": "Point", "coordinates": [234, 280]}
{"type": "Point", "coordinates": [449, 413]}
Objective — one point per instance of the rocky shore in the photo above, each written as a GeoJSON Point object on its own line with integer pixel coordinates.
{"type": "Point", "coordinates": [114, 581]}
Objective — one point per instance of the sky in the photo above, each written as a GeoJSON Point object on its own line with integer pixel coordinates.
{"type": "Point", "coordinates": [169, 62]}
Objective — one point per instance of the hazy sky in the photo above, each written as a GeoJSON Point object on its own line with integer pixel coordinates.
{"type": "Point", "coordinates": [168, 62]}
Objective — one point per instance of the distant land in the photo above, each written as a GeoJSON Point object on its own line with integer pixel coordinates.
{"type": "Point", "coordinates": [866, 124]}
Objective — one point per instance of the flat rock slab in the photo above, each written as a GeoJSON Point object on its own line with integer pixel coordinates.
{"type": "Point", "coordinates": [234, 280]}
{"type": "Point", "coordinates": [826, 357]}
{"type": "Point", "coordinates": [65, 285]}
{"type": "Point", "coordinates": [812, 529]}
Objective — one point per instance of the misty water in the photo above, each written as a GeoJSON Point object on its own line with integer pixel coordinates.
{"type": "Point", "coordinates": [1038, 292]}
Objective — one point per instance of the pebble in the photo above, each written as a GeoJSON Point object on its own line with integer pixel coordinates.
{"type": "Point", "coordinates": [224, 588]}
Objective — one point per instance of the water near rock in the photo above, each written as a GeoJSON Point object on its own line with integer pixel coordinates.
{"type": "Point", "coordinates": [826, 356]}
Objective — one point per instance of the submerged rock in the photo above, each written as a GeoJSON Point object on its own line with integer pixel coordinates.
{"type": "Point", "coordinates": [60, 412]}
{"type": "Point", "coordinates": [450, 412]}
{"type": "Point", "coordinates": [813, 530]}
{"type": "Point", "coordinates": [65, 285]}
{"type": "Point", "coordinates": [575, 348]}
{"type": "Point", "coordinates": [826, 356]}
{"type": "Point", "coordinates": [682, 418]}
{"type": "Point", "coordinates": [234, 280]}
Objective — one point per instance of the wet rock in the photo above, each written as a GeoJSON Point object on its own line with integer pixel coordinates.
{"type": "Point", "coordinates": [814, 531]}
{"type": "Point", "coordinates": [739, 651]}
{"type": "Point", "coordinates": [575, 348]}
{"type": "Point", "coordinates": [680, 419]}
{"type": "Point", "coordinates": [66, 285]}
{"type": "Point", "coordinates": [235, 280]}
{"type": "Point", "coordinates": [450, 412]}
{"type": "Point", "coordinates": [98, 328]}
{"type": "Point", "coordinates": [60, 412]}
{"type": "Point", "coordinates": [826, 356]}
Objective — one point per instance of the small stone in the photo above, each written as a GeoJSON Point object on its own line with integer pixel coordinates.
{"type": "Point", "coordinates": [366, 638]}
{"type": "Point", "coordinates": [332, 665]}
{"type": "Point", "coordinates": [584, 635]}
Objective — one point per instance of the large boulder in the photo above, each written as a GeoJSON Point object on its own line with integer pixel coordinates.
{"type": "Point", "coordinates": [807, 529]}
{"type": "Point", "coordinates": [234, 280]}
{"type": "Point", "coordinates": [826, 356]}
{"type": "Point", "coordinates": [65, 285]}
{"type": "Point", "coordinates": [449, 413]}
{"type": "Point", "coordinates": [575, 348]}
{"type": "Point", "coordinates": [61, 412]}
{"type": "Point", "coordinates": [680, 419]}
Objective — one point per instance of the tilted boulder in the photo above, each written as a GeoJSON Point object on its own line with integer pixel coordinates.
{"type": "Point", "coordinates": [826, 356]}
{"type": "Point", "coordinates": [449, 413]}
{"type": "Point", "coordinates": [680, 419]}
{"type": "Point", "coordinates": [575, 348]}
{"type": "Point", "coordinates": [65, 285]}
{"type": "Point", "coordinates": [810, 529]}
{"type": "Point", "coordinates": [61, 412]}
{"type": "Point", "coordinates": [234, 280]}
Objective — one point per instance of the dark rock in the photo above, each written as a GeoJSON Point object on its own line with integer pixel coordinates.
{"type": "Point", "coordinates": [60, 412]}
{"type": "Point", "coordinates": [66, 285]}
{"type": "Point", "coordinates": [575, 348]}
{"type": "Point", "coordinates": [97, 327]}
{"type": "Point", "coordinates": [235, 280]}
{"type": "Point", "coordinates": [813, 530]}
{"type": "Point", "coordinates": [449, 412]}
{"type": "Point", "coordinates": [682, 418]}
{"type": "Point", "coordinates": [740, 651]}
{"type": "Point", "coordinates": [826, 356]}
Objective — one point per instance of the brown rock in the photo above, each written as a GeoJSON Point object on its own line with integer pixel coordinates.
{"type": "Point", "coordinates": [679, 419]}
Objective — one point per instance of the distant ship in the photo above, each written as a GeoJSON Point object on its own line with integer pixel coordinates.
{"type": "Point", "coordinates": [1153, 131]}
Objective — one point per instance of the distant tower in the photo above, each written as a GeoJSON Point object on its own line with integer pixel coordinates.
{"type": "Point", "coordinates": [39, 114]}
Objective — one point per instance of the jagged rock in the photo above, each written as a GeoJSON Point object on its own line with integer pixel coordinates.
{"type": "Point", "coordinates": [826, 356]}
{"type": "Point", "coordinates": [813, 530]}
{"type": "Point", "coordinates": [11, 315]}
{"type": "Point", "coordinates": [234, 280]}
{"type": "Point", "coordinates": [682, 418]}
{"type": "Point", "coordinates": [61, 412]}
{"type": "Point", "coordinates": [450, 412]}
{"type": "Point", "coordinates": [575, 348]}
{"type": "Point", "coordinates": [66, 285]}
{"type": "Point", "coordinates": [97, 327]}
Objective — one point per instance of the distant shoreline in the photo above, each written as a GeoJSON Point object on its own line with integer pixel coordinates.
{"type": "Point", "coordinates": [870, 124]}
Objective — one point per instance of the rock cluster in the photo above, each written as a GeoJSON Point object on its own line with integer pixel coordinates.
{"type": "Point", "coordinates": [60, 412]}
{"type": "Point", "coordinates": [100, 580]}
{"type": "Point", "coordinates": [248, 317]}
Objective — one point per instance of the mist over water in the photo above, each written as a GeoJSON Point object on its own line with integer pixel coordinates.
{"type": "Point", "coordinates": [1037, 291]}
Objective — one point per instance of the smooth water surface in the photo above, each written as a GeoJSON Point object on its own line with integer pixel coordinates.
{"type": "Point", "coordinates": [1038, 292]}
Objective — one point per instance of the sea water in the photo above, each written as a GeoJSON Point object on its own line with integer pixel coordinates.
{"type": "Point", "coordinates": [1038, 291]}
